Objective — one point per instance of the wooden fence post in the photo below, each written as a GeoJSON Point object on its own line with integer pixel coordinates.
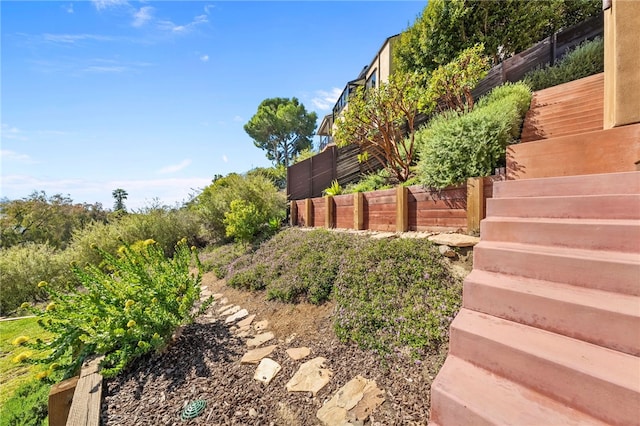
{"type": "Point", "coordinates": [293, 213]}
{"type": "Point", "coordinates": [475, 203]}
{"type": "Point", "coordinates": [308, 211]}
{"type": "Point", "coordinates": [60, 397]}
{"type": "Point", "coordinates": [358, 210]}
{"type": "Point", "coordinates": [328, 212]}
{"type": "Point", "coordinates": [402, 209]}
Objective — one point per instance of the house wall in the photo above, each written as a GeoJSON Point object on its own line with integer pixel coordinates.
{"type": "Point", "coordinates": [382, 64]}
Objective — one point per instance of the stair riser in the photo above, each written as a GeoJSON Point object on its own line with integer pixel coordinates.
{"type": "Point", "coordinates": [587, 323]}
{"type": "Point", "coordinates": [583, 207]}
{"type": "Point", "coordinates": [619, 183]}
{"type": "Point", "coordinates": [582, 391]}
{"type": "Point", "coordinates": [608, 237]}
{"type": "Point", "coordinates": [608, 275]}
{"type": "Point", "coordinates": [563, 114]}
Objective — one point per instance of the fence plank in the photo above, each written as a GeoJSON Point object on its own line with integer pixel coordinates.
{"type": "Point", "coordinates": [328, 212]}
{"type": "Point", "coordinates": [87, 399]}
{"type": "Point", "coordinates": [60, 398]}
{"type": "Point", "coordinates": [358, 210]}
{"type": "Point", "coordinates": [308, 212]}
{"type": "Point", "coordinates": [475, 203]}
{"type": "Point", "coordinates": [293, 215]}
{"type": "Point", "coordinates": [402, 209]}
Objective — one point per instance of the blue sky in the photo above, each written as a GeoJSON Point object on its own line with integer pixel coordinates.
{"type": "Point", "coordinates": [152, 97]}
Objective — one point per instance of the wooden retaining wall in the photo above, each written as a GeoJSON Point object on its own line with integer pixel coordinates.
{"type": "Point", "coordinates": [414, 208]}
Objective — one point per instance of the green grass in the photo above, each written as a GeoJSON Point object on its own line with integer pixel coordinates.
{"type": "Point", "coordinates": [12, 374]}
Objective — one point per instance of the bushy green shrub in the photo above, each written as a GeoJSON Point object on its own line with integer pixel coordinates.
{"type": "Point", "coordinates": [455, 146]}
{"type": "Point", "coordinates": [585, 60]}
{"type": "Point", "coordinates": [395, 293]}
{"type": "Point", "coordinates": [292, 266]}
{"type": "Point", "coordinates": [243, 221]}
{"type": "Point", "coordinates": [218, 258]}
{"type": "Point", "coordinates": [215, 200]}
{"type": "Point", "coordinates": [334, 189]}
{"type": "Point", "coordinates": [277, 174]}
{"type": "Point", "coordinates": [27, 406]}
{"type": "Point", "coordinates": [122, 314]}
{"type": "Point", "coordinates": [371, 182]}
{"type": "Point", "coordinates": [22, 267]}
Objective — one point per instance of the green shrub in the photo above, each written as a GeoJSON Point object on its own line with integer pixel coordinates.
{"type": "Point", "coordinates": [215, 200]}
{"type": "Point", "coordinates": [371, 182]}
{"type": "Point", "coordinates": [455, 146]}
{"type": "Point", "coordinates": [395, 293]}
{"type": "Point", "coordinates": [122, 314]}
{"type": "Point", "coordinates": [22, 267]}
{"type": "Point", "coordinates": [334, 189]}
{"type": "Point", "coordinates": [292, 266]}
{"type": "Point", "coordinates": [27, 406]}
{"type": "Point", "coordinates": [243, 221]}
{"type": "Point", "coordinates": [218, 258]}
{"type": "Point", "coordinates": [585, 60]}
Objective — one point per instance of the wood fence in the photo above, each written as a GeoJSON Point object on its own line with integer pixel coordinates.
{"type": "Point", "coordinates": [547, 51]}
{"type": "Point", "coordinates": [308, 178]}
{"type": "Point", "coordinates": [414, 208]}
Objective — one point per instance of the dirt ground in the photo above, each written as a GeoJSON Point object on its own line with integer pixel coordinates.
{"type": "Point", "coordinates": [204, 363]}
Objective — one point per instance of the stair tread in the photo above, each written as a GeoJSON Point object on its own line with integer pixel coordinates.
{"type": "Point", "coordinates": [595, 298]}
{"type": "Point", "coordinates": [499, 400]}
{"type": "Point", "coordinates": [610, 256]}
{"type": "Point", "coordinates": [620, 369]}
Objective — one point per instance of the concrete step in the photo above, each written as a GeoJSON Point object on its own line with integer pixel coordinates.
{"type": "Point", "coordinates": [464, 394]}
{"type": "Point", "coordinates": [593, 316]}
{"type": "Point", "coordinates": [597, 381]}
{"type": "Point", "coordinates": [590, 234]}
{"type": "Point", "coordinates": [608, 271]}
{"type": "Point", "coordinates": [595, 184]}
{"type": "Point", "coordinates": [625, 206]}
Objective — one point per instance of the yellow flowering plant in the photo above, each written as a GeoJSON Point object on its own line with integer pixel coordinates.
{"type": "Point", "coordinates": [124, 313]}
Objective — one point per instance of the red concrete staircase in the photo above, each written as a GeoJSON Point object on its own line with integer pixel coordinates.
{"type": "Point", "coordinates": [549, 332]}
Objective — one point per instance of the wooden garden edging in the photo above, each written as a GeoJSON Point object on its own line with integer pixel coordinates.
{"type": "Point", "coordinates": [77, 401]}
{"type": "Point", "coordinates": [457, 208]}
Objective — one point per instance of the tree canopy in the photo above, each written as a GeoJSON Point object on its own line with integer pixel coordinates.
{"type": "Point", "coordinates": [446, 27]}
{"type": "Point", "coordinates": [119, 195]}
{"type": "Point", "coordinates": [283, 128]}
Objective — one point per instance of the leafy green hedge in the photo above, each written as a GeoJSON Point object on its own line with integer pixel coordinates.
{"type": "Point", "coordinates": [455, 146]}
{"type": "Point", "coordinates": [585, 60]}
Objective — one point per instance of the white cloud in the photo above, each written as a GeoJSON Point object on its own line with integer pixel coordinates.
{"type": "Point", "coordinates": [9, 132]}
{"type": "Point", "coordinates": [74, 38]}
{"type": "Point", "coordinates": [175, 167]}
{"type": "Point", "coordinates": [225, 159]}
{"type": "Point", "coordinates": [204, 58]}
{"type": "Point", "coordinates": [208, 8]}
{"type": "Point", "coordinates": [68, 8]}
{"type": "Point", "coordinates": [183, 29]}
{"type": "Point", "coordinates": [326, 100]}
{"type": "Point", "coordinates": [142, 16]}
{"type": "Point", "coordinates": [105, 4]}
{"type": "Point", "coordinates": [8, 155]}
{"type": "Point", "coordinates": [238, 119]}
{"type": "Point", "coordinates": [105, 69]}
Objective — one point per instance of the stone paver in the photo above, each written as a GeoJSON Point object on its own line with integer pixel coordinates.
{"type": "Point", "coordinates": [260, 339]}
{"type": "Point", "coordinates": [267, 370]}
{"type": "Point", "coordinates": [454, 240]}
{"type": "Point", "coordinates": [310, 377]}
{"type": "Point", "coordinates": [254, 356]}
{"type": "Point", "coordinates": [261, 325]}
{"type": "Point", "coordinates": [247, 321]}
{"type": "Point", "coordinates": [223, 308]}
{"type": "Point", "coordinates": [231, 310]}
{"type": "Point", "coordinates": [352, 403]}
{"type": "Point", "coordinates": [217, 296]}
{"type": "Point", "coordinates": [298, 353]}
{"type": "Point", "coordinates": [235, 317]}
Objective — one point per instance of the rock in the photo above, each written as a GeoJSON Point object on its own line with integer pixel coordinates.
{"type": "Point", "coordinates": [255, 356]}
{"type": "Point", "coordinates": [447, 251]}
{"type": "Point", "coordinates": [224, 308]}
{"type": "Point", "coordinates": [291, 338]}
{"type": "Point", "coordinates": [298, 353]}
{"type": "Point", "coordinates": [238, 315]}
{"type": "Point", "coordinates": [231, 310]}
{"type": "Point", "coordinates": [247, 321]}
{"type": "Point", "coordinates": [454, 240]}
{"type": "Point", "coordinates": [310, 377]}
{"type": "Point", "coordinates": [352, 403]}
{"type": "Point", "coordinates": [415, 235]}
{"type": "Point", "coordinates": [253, 413]}
{"type": "Point", "coordinates": [261, 325]}
{"type": "Point", "coordinates": [205, 293]}
{"type": "Point", "coordinates": [267, 370]}
{"type": "Point", "coordinates": [260, 339]}
{"type": "Point", "coordinates": [383, 235]}
{"type": "Point", "coordinates": [224, 301]}
{"type": "Point", "coordinates": [217, 296]}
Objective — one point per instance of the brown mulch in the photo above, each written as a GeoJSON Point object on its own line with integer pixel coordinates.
{"type": "Point", "coordinates": [204, 363]}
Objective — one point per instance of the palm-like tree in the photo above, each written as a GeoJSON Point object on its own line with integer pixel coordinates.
{"type": "Point", "coordinates": [119, 195]}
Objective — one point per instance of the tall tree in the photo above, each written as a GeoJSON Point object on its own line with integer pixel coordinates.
{"type": "Point", "coordinates": [119, 196]}
{"type": "Point", "coordinates": [283, 128]}
{"type": "Point", "coordinates": [505, 27]}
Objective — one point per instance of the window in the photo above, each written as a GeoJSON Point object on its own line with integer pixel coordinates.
{"type": "Point", "coordinates": [371, 81]}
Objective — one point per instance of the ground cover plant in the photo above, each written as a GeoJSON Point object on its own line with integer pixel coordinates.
{"type": "Point", "coordinates": [124, 313]}
{"type": "Point", "coordinates": [389, 293]}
